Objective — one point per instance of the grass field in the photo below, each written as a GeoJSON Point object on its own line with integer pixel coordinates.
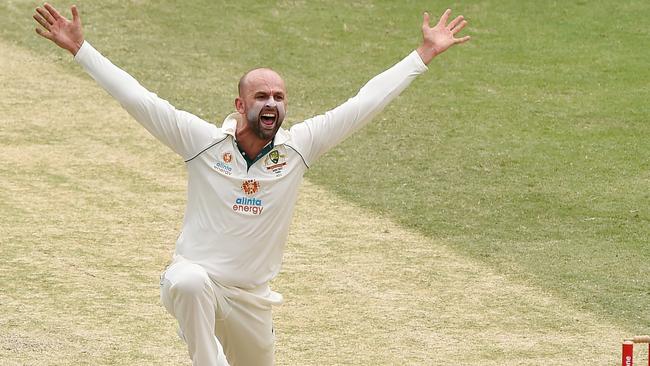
{"type": "Point", "coordinates": [502, 198]}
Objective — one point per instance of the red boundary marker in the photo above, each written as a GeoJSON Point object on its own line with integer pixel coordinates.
{"type": "Point", "coordinates": [627, 353]}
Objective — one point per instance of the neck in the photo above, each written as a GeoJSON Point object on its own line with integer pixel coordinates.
{"type": "Point", "coordinates": [247, 140]}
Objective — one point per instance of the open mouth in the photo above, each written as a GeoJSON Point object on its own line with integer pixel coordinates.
{"type": "Point", "coordinates": [268, 118]}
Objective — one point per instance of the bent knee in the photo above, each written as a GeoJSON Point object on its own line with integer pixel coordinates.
{"type": "Point", "coordinates": [189, 280]}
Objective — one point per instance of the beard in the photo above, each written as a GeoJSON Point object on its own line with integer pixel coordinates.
{"type": "Point", "coordinates": [265, 121]}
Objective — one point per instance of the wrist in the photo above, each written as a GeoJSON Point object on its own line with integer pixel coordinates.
{"type": "Point", "coordinates": [72, 44]}
{"type": "Point", "coordinates": [427, 53]}
{"type": "Point", "coordinates": [74, 47]}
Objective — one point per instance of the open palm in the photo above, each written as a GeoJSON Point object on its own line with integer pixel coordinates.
{"type": "Point", "coordinates": [437, 39]}
{"type": "Point", "coordinates": [65, 33]}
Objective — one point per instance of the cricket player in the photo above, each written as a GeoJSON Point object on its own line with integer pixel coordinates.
{"type": "Point", "coordinates": [243, 180]}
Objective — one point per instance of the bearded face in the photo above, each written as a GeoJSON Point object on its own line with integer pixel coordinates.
{"type": "Point", "coordinates": [262, 102]}
{"type": "Point", "coordinates": [265, 116]}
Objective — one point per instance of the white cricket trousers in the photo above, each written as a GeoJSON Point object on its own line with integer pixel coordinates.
{"type": "Point", "coordinates": [221, 325]}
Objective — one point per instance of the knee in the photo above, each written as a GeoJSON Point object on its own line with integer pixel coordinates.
{"type": "Point", "coordinates": [189, 286]}
{"type": "Point", "coordinates": [189, 282]}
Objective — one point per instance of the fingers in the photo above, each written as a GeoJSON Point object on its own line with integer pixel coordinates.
{"type": "Point", "coordinates": [425, 19]}
{"type": "Point", "coordinates": [75, 14]}
{"type": "Point", "coordinates": [461, 40]}
{"type": "Point", "coordinates": [55, 14]}
{"type": "Point", "coordinates": [455, 22]}
{"type": "Point", "coordinates": [44, 34]}
{"type": "Point", "coordinates": [41, 21]}
{"type": "Point", "coordinates": [444, 17]}
{"type": "Point", "coordinates": [46, 16]}
{"type": "Point", "coordinates": [459, 27]}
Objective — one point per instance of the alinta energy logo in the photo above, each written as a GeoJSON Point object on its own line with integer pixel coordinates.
{"type": "Point", "coordinates": [248, 204]}
{"type": "Point", "coordinates": [224, 165]}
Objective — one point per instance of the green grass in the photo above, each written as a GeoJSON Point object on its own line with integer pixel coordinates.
{"type": "Point", "coordinates": [526, 148]}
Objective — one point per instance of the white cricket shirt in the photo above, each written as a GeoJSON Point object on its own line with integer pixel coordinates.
{"type": "Point", "coordinates": [237, 218]}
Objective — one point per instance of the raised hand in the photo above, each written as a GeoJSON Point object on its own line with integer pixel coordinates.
{"type": "Point", "coordinates": [437, 39]}
{"type": "Point", "coordinates": [66, 34]}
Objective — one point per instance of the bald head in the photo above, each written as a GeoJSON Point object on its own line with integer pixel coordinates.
{"type": "Point", "coordinates": [259, 77]}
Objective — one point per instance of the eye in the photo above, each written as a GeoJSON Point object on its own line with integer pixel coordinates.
{"type": "Point", "coordinates": [279, 97]}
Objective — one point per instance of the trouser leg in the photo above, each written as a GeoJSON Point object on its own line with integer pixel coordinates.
{"type": "Point", "coordinates": [187, 294]}
{"type": "Point", "coordinates": [246, 333]}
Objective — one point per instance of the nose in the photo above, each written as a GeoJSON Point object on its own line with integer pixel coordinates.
{"type": "Point", "coordinates": [271, 103]}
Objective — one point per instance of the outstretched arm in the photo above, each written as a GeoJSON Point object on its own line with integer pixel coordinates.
{"type": "Point", "coordinates": [181, 131]}
{"type": "Point", "coordinates": [318, 134]}
{"type": "Point", "coordinates": [63, 32]}
{"type": "Point", "coordinates": [437, 39]}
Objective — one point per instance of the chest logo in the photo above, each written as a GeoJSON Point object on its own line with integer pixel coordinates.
{"type": "Point", "coordinates": [250, 187]}
{"type": "Point", "coordinates": [274, 156]}
{"type": "Point", "coordinates": [275, 162]}
{"type": "Point", "coordinates": [249, 205]}
{"type": "Point", "coordinates": [224, 165]}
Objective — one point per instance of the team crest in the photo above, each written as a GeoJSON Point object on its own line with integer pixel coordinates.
{"type": "Point", "coordinates": [275, 162]}
{"type": "Point", "coordinates": [227, 157]}
{"type": "Point", "coordinates": [250, 187]}
{"type": "Point", "coordinates": [274, 156]}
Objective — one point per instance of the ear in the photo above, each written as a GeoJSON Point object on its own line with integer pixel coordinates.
{"type": "Point", "coordinates": [239, 105]}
